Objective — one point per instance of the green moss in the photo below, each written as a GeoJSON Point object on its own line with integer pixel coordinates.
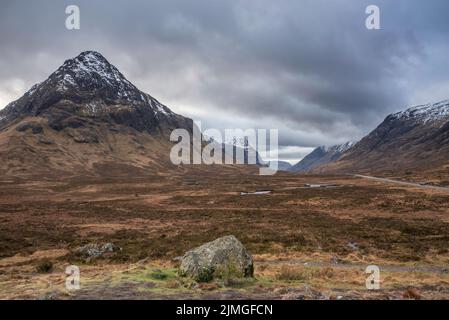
{"type": "Point", "coordinates": [205, 275]}
{"type": "Point", "coordinates": [159, 274]}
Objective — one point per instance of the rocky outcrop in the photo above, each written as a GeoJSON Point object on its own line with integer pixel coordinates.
{"type": "Point", "coordinates": [95, 250]}
{"type": "Point", "coordinates": [222, 258]}
{"type": "Point", "coordinates": [35, 128]}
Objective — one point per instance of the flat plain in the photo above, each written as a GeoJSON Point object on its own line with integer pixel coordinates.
{"type": "Point", "coordinates": [307, 243]}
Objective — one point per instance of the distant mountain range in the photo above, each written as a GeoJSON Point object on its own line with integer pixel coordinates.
{"type": "Point", "coordinates": [414, 139]}
{"type": "Point", "coordinates": [280, 165]}
{"type": "Point", "coordinates": [321, 156]}
{"type": "Point", "coordinates": [88, 118]}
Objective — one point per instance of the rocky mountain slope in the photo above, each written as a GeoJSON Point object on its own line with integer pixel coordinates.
{"type": "Point", "coordinates": [280, 165]}
{"type": "Point", "coordinates": [321, 156]}
{"type": "Point", "coordinates": [414, 139]}
{"type": "Point", "coordinates": [86, 117]}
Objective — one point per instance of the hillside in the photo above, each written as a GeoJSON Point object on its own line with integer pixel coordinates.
{"type": "Point", "coordinates": [416, 139]}
{"type": "Point", "coordinates": [86, 117]}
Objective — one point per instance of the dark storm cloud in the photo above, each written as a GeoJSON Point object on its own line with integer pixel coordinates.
{"type": "Point", "coordinates": [309, 68]}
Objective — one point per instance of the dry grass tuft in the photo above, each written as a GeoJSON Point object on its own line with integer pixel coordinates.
{"type": "Point", "coordinates": [412, 293]}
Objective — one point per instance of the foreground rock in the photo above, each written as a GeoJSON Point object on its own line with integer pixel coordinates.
{"type": "Point", "coordinates": [94, 250]}
{"type": "Point", "coordinates": [222, 258]}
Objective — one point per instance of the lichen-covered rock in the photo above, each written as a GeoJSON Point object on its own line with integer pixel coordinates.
{"type": "Point", "coordinates": [94, 250]}
{"type": "Point", "coordinates": [110, 247]}
{"type": "Point", "coordinates": [222, 258]}
{"type": "Point", "coordinates": [91, 250]}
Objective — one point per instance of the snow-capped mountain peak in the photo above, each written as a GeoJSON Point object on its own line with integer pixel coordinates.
{"type": "Point", "coordinates": [339, 148]}
{"type": "Point", "coordinates": [88, 85]}
{"type": "Point", "coordinates": [91, 79]}
{"type": "Point", "coordinates": [344, 146]}
{"type": "Point", "coordinates": [322, 155]}
{"type": "Point", "coordinates": [425, 113]}
{"type": "Point", "coordinates": [91, 65]}
{"type": "Point", "coordinates": [91, 61]}
{"type": "Point", "coordinates": [91, 71]}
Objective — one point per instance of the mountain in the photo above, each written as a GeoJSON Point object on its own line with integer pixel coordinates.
{"type": "Point", "coordinates": [417, 138]}
{"type": "Point", "coordinates": [88, 86]}
{"type": "Point", "coordinates": [321, 156]}
{"type": "Point", "coordinates": [86, 116]}
{"type": "Point", "coordinates": [281, 165]}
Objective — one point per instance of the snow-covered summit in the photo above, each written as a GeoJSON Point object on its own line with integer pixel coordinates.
{"type": "Point", "coordinates": [339, 148]}
{"type": "Point", "coordinates": [344, 146]}
{"type": "Point", "coordinates": [322, 155]}
{"type": "Point", "coordinates": [90, 79]}
{"type": "Point", "coordinates": [89, 62]}
{"type": "Point", "coordinates": [425, 113]}
{"type": "Point", "coordinates": [90, 68]}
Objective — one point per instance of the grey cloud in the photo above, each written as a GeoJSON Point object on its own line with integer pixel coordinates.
{"type": "Point", "coordinates": [309, 68]}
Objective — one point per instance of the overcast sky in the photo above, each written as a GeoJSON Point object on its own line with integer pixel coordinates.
{"type": "Point", "coordinates": [309, 68]}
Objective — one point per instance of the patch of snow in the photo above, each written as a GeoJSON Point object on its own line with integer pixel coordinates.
{"type": "Point", "coordinates": [345, 146]}
{"type": "Point", "coordinates": [33, 89]}
{"type": "Point", "coordinates": [93, 68]}
{"type": "Point", "coordinates": [339, 148]}
{"type": "Point", "coordinates": [68, 79]}
{"type": "Point", "coordinates": [160, 108]}
{"type": "Point", "coordinates": [425, 113]}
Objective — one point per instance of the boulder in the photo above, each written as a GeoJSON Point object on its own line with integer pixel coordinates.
{"type": "Point", "coordinates": [94, 250]}
{"type": "Point", "coordinates": [52, 295]}
{"type": "Point", "coordinates": [222, 258]}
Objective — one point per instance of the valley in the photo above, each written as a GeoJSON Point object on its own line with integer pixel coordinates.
{"type": "Point", "coordinates": [87, 180]}
{"type": "Point", "coordinates": [308, 243]}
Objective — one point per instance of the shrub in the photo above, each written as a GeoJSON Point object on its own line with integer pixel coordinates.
{"type": "Point", "coordinates": [166, 274]}
{"type": "Point", "coordinates": [288, 273]}
{"type": "Point", "coordinates": [158, 275]}
{"type": "Point", "coordinates": [45, 266]}
{"type": "Point", "coordinates": [324, 273]}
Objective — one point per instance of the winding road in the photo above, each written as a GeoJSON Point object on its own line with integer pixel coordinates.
{"type": "Point", "coordinates": [413, 184]}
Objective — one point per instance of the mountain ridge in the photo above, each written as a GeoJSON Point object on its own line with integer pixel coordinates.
{"type": "Point", "coordinates": [320, 156]}
{"type": "Point", "coordinates": [416, 138]}
{"type": "Point", "coordinates": [84, 116]}
{"type": "Point", "coordinates": [99, 90]}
